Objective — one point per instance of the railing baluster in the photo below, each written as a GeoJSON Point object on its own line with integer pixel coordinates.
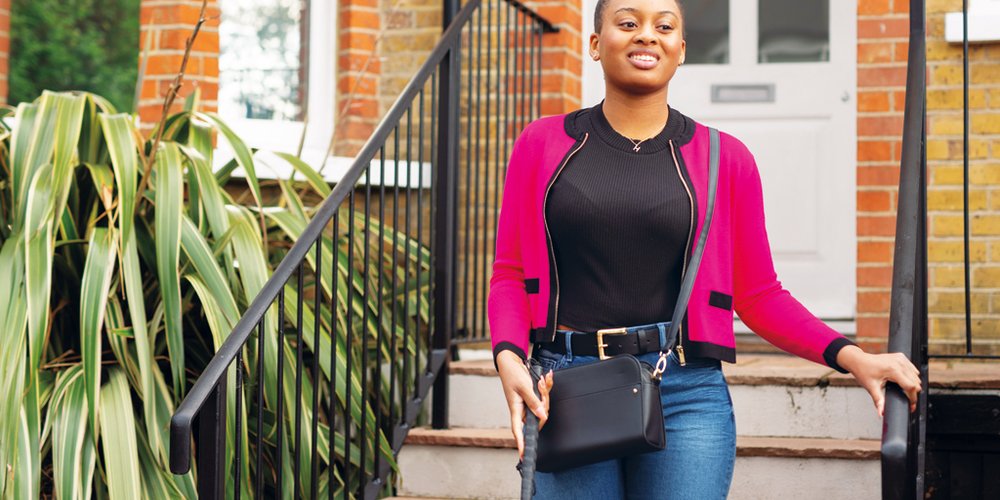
{"type": "Point", "coordinates": [466, 191]}
{"type": "Point", "coordinates": [420, 203]}
{"type": "Point", "coordinates": [408, 334]}
{"type": "Point", "coordinates": [470, 328]}
{"type": "Point", "coordinates": [965, 176]}
{"type": "Point", "coordinates": [380, 299]}
{"type": "Point", "coordinates": [433, 158]}
{"type": "Point", "coordinates": [279, 417]}
{"type": "Point", "coordinates": [297, 457]}
{"type": "Point", "coordinates": [260, 408]}
{"type": "Point", "coordinates": [537, 72]}
{"type": "Point", "coordinates": [444, 244]}
{"type": "Point", "coordinates": [314, 435]}
{"type": "Point", "coordinates": [404, 380]}
{"type": "Point", "coordinates": [212, 449]}
{"type": "Point", "coordinates": [349, 373]}
{"type": "Point", "coordinates": [334, 315]}
{"type": "Point", "coordinates": [366, 299]}
{"type": "Point", "coordinates": [522, 77]}
{"type": "Point", "coordinates": [238, 441]}
{"type": "Point", "coordinates": [531, 31]}
{"type": "Point", "coordinates": [395, 298]}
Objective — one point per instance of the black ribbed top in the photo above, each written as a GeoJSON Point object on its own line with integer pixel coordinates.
{"type": "Point", "coordinates": [619, 221]}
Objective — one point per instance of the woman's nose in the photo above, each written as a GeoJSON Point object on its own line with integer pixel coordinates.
{"type": "Point", "coordinates": [645, 34]}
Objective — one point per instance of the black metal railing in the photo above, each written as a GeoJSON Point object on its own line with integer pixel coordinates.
{"type": "Point", "coordinates": [515, 61]}
{"type": "Point", "coordinates": [908, 444]}
{"type": "Point", "coordinates": [315, 389]}
{"type": "Point", "coordinates": [902, 438]}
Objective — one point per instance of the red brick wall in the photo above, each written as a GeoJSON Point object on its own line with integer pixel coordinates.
{"type": "Point", "coordinates": [358, 70]}
{"type": "Point", "coordinates": [562, 63]}
{"type": "Point", "coordinates": [170, 23]}
{"type": "Point", "coordinates": [883, 31]}
{"type": "Point", "coordinates": [4, 48]}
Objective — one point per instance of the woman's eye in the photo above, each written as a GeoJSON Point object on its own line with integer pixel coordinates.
{"type": "Point", "coordinates": [628, 24]}
{"type": "Point", "coordinates": [666, 27]}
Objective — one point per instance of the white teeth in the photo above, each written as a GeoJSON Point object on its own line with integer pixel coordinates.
{"type": "Point", "coordinates": [643, 57]}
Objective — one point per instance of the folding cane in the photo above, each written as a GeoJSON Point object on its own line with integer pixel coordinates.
{"type": "Point", "coordinates": [527, 464]}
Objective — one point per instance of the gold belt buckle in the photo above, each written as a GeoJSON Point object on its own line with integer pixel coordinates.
{"type": "Point", "coordinates": [600, 339]}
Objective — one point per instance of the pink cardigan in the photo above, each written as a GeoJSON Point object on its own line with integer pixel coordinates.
{"type": "Point", "coordinates": [736, 271]}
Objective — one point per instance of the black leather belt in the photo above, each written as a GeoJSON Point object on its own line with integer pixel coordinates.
{"type": "Point", "coordinates": [609, 342]}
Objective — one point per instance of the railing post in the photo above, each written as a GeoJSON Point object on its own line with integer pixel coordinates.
{"type": "Point", "coordinates": [211, 446]}
{"type": "Point", "coordinates": [445, 171]}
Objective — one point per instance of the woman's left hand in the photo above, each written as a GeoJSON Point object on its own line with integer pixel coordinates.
{"type": "Point", "coordinates": [872, 371]}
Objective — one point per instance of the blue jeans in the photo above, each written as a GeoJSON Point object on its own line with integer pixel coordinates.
{"type": "Point", "coordinates": [701, 441]}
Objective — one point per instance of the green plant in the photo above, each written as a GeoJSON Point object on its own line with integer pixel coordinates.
{"type": "Point", "coordinates": [74, 45]}
{"type": "Point", "coordinates": [115, 292]}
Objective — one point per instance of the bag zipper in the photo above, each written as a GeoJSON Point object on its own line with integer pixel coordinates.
{"type": "Point", "coordinates": [548, 235]}
{"type": "Point", "coordinates": [680, 329]}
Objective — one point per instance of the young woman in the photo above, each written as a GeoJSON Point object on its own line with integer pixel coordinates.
{"type": "Point", "coordinates": [601, 209]}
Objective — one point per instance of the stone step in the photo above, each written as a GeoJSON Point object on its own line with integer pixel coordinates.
{"type": "Point", "coordinates": [773, 395]}
{"type": "Point", "coordinates": [479, 463]}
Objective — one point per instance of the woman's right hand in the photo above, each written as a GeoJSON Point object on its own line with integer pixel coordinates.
{"type": "Point", "coordinates": [519, 393]}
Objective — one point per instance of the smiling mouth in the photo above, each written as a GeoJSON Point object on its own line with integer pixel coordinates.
{"type": "Point", "coordinates": [646, 58]}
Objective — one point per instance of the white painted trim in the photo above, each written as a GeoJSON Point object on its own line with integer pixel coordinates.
{"type": "Point", "coordinates": [984, 23]}
{"type": "Point", "coordinates": [269, 166]}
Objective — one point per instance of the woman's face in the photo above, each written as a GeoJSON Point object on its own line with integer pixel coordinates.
{"type": "Point", "coordinates": [640, 45]}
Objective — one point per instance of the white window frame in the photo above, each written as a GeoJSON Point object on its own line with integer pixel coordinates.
{"type": "Point", "coordinates": [984, 23]}
{"type": "Point", "coordinates": [285, 135]}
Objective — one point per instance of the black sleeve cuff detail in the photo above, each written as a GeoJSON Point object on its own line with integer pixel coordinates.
{"type": "Point", "coordinates": [831, 351]}
{"type": "Point", "coordinates": [507, 346]}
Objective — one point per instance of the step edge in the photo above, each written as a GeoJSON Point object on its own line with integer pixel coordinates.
{"type": "Point", "coordinates": [830, 379]}
{"type": "Point", "coordinates": [746, 446]}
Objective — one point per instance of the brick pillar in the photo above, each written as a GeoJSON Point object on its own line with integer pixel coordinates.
{"type": "Point", "coordinates": [883, 33]}
{"type": "Point", "coordinates": [4, 49]}
{"type": "Point", "coordinates": [170, 23]}
{"type": "Point", "coordinates": [562, 65]}
{"type": "Point", "coordinates": [358, 73]}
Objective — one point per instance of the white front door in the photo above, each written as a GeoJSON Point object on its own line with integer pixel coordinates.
{"type": "Point", "coordinates": [780, 76]}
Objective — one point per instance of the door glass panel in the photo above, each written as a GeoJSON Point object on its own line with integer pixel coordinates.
{"type": "Point", "coordinates": [706, 30]}
{"type": "Point", "coordinates": [793, 31]}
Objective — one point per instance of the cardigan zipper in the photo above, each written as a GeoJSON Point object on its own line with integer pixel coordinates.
{"type": "Point", "coordinates": [548, 235]}
{"type": "Point", "coordinates": [680, 329]}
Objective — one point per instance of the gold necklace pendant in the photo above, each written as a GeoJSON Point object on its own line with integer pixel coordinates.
{"type": "Point", "coordinates": [635, 143]}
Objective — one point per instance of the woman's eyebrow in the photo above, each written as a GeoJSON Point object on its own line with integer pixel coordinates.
{"type": "Point", "coordinates": [633, 9]}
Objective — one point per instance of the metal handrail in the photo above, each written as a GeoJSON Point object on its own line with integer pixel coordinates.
{"type": "Point", "coordinates": [903, 432]}
{"type": "Point", "coordinates": [209, 400]}
{"type": "Point", "coordinates": [181, 422]}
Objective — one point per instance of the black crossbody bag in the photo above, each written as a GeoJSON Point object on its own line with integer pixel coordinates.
{"type": "Point", "coordinates": [612, 408]}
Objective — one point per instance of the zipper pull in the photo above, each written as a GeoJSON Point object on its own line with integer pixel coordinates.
{"type": "Point", "coordinates": [680, 354]}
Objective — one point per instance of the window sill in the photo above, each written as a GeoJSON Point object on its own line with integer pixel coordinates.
{"type": "Point", "coordinates": [984, 26]}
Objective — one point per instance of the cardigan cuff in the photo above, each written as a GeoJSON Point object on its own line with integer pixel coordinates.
{"type": "Point", "coordinates": [831, 351]}
{"type": "Point", "coordinates": [507, 346]}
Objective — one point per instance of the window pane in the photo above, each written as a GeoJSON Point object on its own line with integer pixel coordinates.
{"type": "Point", "coordinates": [706, 31]}
{"type": "Point", "coordinates": [793, 31]}
{"type": "Point", "coordinates": [261, 70]}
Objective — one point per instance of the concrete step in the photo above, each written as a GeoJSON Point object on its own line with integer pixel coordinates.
{"type": "Point", "coordinates": [773, 395]}
{"type": "Point", "coordinates": [479, 463]}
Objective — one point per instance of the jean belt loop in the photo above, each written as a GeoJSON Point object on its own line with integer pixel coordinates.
{"type": "Point", "coordinates": [569, 347]}
{"type": "Point", "coordinates": [663, 335]}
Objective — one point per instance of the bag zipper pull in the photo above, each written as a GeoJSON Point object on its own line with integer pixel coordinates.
{"type": "Point", "coordinates": [680, 354]}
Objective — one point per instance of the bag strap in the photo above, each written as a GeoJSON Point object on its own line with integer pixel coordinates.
{"type": "Point", "coordinates": [688, 284]}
